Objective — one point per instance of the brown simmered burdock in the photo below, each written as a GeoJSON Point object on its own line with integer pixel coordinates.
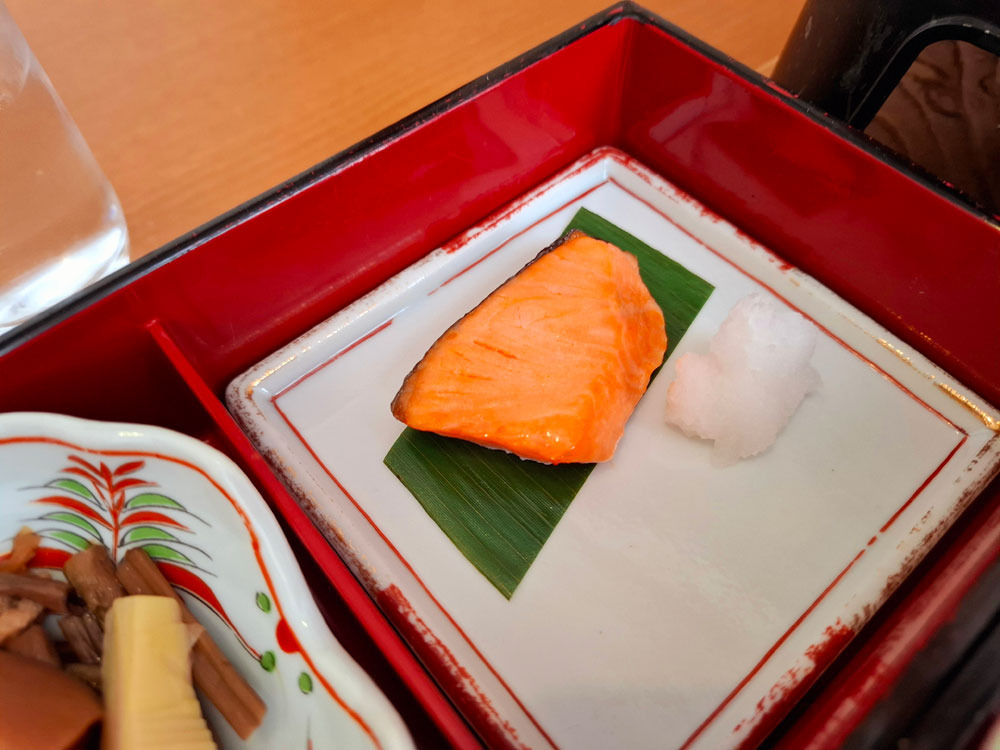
{"type": "Point", "coordinates": [50, 593]}
{"type": "Point", "coordinates": [213, 673]}
{"type": "Point", "coordinates": [81, 639]}
{"type": "Point", "coordinates": [94, 629]}
{"type": "Point", "coordinates": [92, 574]}
{"type": "Point", "coordinates": [27, 597]}
{"type": "Point", "coordinates": [34, 643]}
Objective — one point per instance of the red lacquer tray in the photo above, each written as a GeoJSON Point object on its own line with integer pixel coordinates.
{"type": "Point", "coordinates": [159, 341]}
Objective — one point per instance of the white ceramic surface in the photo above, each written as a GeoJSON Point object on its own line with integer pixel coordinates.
{"type": "Point", "coordinates": [675, 602]}
{"type": "Point", "coordinates": [194, 510]}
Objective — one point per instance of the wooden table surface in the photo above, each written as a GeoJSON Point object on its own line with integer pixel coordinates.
{"type": "Point", "coordinates": [194, 106]}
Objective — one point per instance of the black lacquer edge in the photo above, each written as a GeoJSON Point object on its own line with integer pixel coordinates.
{"type": "Point", "coordinates": [324, 169]}
{"type": "Point", "coordinates": [328, 167]}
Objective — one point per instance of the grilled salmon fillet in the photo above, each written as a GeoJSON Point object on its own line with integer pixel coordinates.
{"type": "Point", "coordinates": [551, 365]}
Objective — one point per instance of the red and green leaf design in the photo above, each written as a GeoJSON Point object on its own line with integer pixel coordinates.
{"type": "Point", "coordinates": [94, 503]}
{"type": "Point", "coordinates": [103, 506]}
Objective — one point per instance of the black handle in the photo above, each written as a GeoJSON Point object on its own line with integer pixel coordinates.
{"type": "Point", "coordinates": [846, 56]}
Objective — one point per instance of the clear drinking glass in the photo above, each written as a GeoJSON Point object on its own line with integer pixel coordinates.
{"type": "Point", "coordinates": [61, 226]}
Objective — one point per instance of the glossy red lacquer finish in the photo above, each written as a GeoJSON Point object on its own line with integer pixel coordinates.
{"type": "Point", "coordinates": [162, 347]}
{"type": "Point", "coordinates": [926, 268]}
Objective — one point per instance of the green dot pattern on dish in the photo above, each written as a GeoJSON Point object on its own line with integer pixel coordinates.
{"type": "Point", "coordinates": [268, 661]}
{"type": "Point", "coordinates": [263, 602]}
{"type": "Point", "coordinates": [305, 683]}
{"type": "Point", "coordinates": [498, 509]}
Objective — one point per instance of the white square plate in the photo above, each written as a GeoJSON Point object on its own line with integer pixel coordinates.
{"type": "Point", "coordinates": [676, 601]}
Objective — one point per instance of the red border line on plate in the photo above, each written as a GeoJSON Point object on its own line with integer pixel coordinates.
{"type": "Point", "coordinates": [770, 652]}
{"type": "Point", "coordinates": [513, 237]}
{"type": "Point", "coordinates": [820, 326]}
{"type": "Point", "coordinates": [333, 359]}
{"type": "Point", "coordinates": [407, 565]}
{"type": "Point", "coordinates": [921, 487]}
{"type": "Point", "coordinates": [253, 539]}
{"type": "Point", "coordinates": [626, 161]}
{"type": "Point", "coordinates": [823, 328]}
{"type": "Point", "coordinates": [450, 248]}
{"type": "Point", "coordinates": [498, 217]}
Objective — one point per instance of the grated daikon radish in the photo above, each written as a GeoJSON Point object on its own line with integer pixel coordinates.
{"type": "Point", "coordinates": [743, 393]}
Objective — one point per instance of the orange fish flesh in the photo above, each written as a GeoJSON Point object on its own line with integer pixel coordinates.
{"type": "Point", "coordinates": [551, 365]}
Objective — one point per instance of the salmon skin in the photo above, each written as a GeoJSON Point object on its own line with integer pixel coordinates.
{"type": "Point", "coordinates": [551, 365]}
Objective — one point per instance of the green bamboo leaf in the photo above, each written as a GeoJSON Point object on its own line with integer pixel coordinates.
{"type": "Point", "coordinates": [68, 537]}
{"type": "Point", "coordinates": [146, 533]}
{"type": "Point", "coordinates": [76, 520]}
{"type": "Point", "coordinates": [305, 683]}
{"type": "Point", "coordinates": [268, 661]}
{"type": "Point", "coordinates": [263, 602]}
{"type": "Point", "coordinates": [496, 508]}
{"type": "Point", "coordinates": [152, 500]}
{"type": "Point", "coordinates": [162, 552]}
{"type": "Point", "coordinates": [71, 485]}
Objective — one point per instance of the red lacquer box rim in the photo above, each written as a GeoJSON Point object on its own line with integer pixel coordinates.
{"type": "Point", "coordinates": [939, 587]}
{"type": "Point", "coordinates": [616, 13]}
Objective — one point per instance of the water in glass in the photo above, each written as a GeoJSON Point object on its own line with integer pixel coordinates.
{"type": "Point", "coordinates": [61, 226]}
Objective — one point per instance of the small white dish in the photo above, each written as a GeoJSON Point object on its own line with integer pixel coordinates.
{"type": "Point", "coordinates": [76, 481]}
